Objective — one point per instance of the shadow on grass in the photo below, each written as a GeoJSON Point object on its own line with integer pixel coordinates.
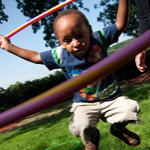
{"type": "Point", "coordinates": [47, 119]}
{"type": "Point", "coordinates": [137, 92]}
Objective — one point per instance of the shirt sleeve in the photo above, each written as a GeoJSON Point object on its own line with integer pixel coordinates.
{"type": "Point", "coordinates": [107, 36]}
{"type": "Point", "coordinates": [51, 58]}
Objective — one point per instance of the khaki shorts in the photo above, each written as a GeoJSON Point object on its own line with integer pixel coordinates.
{"type": "Point", "coordinates": [86, 115]}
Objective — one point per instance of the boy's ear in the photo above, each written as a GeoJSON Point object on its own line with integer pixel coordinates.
{"type": "Point", "coordinates": [91, 31]}
{"type": "Point", "coordinates": [61, 44]}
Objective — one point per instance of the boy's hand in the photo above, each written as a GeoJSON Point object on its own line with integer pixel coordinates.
{"type": "Point", "coordinates": [140, 61]}
{"type": "Point", "coordinates": [0, 42]}
{"type": "Point", "coordinates": [4, 43]}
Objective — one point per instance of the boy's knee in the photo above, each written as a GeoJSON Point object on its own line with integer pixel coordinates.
{"type": "Point", "coordinates": [131, 106]}
{"type": "Point", "coordinates": [76, 127]}
{"type": "Point", "coordinates": [130, 109]}
{"type": "Point", "coordinates": [79, 129]}
{"type": "Point", "coordinates": [124, 110]}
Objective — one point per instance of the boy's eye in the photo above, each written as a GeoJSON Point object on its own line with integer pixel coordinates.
{"type": "Point", "coordinates": [67, 40]}
{"type": "Point", "coordinates": [79, 35]}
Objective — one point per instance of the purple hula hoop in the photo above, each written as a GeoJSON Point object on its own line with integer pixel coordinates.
{"type": "Point", "coordinates": [64, 90]}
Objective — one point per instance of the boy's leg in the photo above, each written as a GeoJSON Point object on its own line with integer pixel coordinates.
{"type": "Point", "coordinates": [94, 142]}
{"type": "Point", "coordinates": [83, 124]}
{"type": "Point", "coordinates": [121, 132]}
{"type": "Point", "coordinates": [119, 113]}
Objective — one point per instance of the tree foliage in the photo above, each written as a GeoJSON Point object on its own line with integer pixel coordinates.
{"type": "Point", "coordinates": [107, 15]}
{"type": "Point", "coordinates": [109, 12]}
{"type": "Point", "coordinates": [21, 92]}
{"type": "Point", "coordinates": [3, 16]}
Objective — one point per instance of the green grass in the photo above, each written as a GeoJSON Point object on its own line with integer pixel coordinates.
{"type": "Point", "coordinates": [52, 132]}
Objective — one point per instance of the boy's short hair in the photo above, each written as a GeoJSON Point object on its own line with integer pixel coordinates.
{"type": "Point", "coordinates": [70, 11]}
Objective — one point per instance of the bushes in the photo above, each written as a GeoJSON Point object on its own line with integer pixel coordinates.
{"type": "Point", "coordinates": [21, 92]}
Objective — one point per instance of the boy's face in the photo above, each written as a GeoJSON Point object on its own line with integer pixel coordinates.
{"type": "Point", "coordinates": [73, 34]}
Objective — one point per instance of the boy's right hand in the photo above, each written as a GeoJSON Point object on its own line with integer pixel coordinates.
{"type": "Point", "coordinates": [0, 42]}
{"type": "Point", "coordinates": [4, 43]}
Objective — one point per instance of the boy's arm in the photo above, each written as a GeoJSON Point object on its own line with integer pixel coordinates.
{"type": "Point", "coordinates": [122, 15]}
{"type": "Point", "coordinates": [29, 55]}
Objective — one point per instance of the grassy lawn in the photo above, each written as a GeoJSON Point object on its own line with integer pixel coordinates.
{"type": "Point", "coordinates": [50, 132]}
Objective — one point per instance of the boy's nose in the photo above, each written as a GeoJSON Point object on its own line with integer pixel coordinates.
{"type": "Point", "coordinates": [76, 42]}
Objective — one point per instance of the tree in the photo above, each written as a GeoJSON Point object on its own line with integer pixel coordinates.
{"type": "Point", "coordinates": [107, 15]}
{"type": "Point", "coordinates": [109, 12]}
{"type": "Point", "coordinates": [3, 16]}
{"type": "Point", "coordinates": [32, 8]}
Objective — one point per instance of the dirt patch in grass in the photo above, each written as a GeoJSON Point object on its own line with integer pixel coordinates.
{"type": "Point", "coordinates": [145, 77]}
{"type": "Point", "coordinates": [9, 127]}
{"type": "Point", "coordinates": [30, 120]}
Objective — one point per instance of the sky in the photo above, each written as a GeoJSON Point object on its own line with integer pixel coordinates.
{"type": "Point", "coordinates": [13, 68]}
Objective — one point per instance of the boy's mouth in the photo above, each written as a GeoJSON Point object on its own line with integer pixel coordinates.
{"type": "Point", "coordinates": [79, 52]}
{"type": "Point", "coordinates": [78, 49]}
